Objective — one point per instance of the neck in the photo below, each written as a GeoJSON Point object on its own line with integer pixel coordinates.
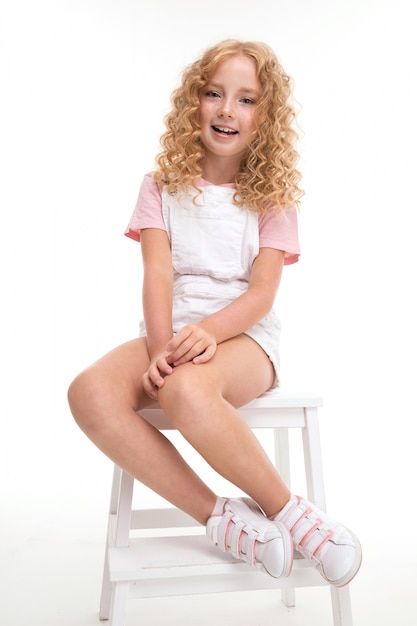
{"type": "Point", "coordinates": [219, 171]}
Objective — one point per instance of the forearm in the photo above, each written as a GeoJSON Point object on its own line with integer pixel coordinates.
{"type": "Point", "coordinates": [157, 311]}
{"type": "Point", "coordinates": [253, 304]}
{"type": "Point", "coordinates": [238, 316]}
{"type": "Point", "coordinates": [157, 289]}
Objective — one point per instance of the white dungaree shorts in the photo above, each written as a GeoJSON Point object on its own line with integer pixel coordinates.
{"type": "Point", "coordinates": [214, 245]}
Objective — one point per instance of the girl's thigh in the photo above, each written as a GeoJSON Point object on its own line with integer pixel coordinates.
{"type": "Point", "coordinates": [239, 372]}
{"type": "Point", "coordinates": [246, 370]}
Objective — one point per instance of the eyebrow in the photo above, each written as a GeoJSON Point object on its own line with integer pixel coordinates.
{"type": "Point", "coordinates": [248, 90]}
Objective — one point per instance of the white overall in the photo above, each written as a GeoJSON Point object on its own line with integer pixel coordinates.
{"type": "Point", "coordinates": [214, 245]}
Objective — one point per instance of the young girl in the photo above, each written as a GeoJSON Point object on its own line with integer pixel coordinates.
{"type": "Point", "coordinates": [217, 222]}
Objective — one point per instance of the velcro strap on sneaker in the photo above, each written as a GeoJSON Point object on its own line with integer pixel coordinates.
{"type": "Point", "coordinates": [223, 531]}
{"type": "Point", "coordinates": [234, 539]}
{"type": "Point", "coordinates": [309, 537]}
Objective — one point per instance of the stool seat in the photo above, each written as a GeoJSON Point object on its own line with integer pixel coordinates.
{"type": "Point", "coordinates": [165, 552]}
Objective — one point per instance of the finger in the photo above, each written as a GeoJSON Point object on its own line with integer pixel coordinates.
{"type": "Point", "coordinates": [163, 367]}
{"type": "Point", "coordinates": [160, 367]}
{"type": "Point", "coordinates": [153, 394]}
{"type": "Point", "coordinates": [206, 355]}
{"type": "Point", "coordinates": [149, 388]}
{"type": "Point", "coordinates": [183, 354]}
{"type": "Point", "coordinates": [178, 339]}
{"type": "Point", "coordinates": [183, 357]}
{"type": "Point", "coordinates": [155, 376]}
{"type": "Point", "coordinates": [188, 355]}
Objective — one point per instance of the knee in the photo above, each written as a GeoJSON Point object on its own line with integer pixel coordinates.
{"type": "Point", "coordinates": [185, 391]}
{"type": "Point", "coordinates": [83, 400]}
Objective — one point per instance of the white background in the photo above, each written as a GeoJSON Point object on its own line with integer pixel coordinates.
{"type": "Point", "coordinates": [84, 88]}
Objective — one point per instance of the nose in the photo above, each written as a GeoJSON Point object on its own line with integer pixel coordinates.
{"type": "Point", "coordinates": [226, 108]}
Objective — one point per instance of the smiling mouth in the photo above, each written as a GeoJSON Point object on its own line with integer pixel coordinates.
{"type": "Point", "coordinates": [224, 131]}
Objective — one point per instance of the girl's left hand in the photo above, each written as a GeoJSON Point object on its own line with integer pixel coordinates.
{"type": "Point", "coordinates": [191, 343]}
{"type": "Point", "coordinates": [154, 378]}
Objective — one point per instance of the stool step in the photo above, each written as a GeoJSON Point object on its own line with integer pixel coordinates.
{"type": "Point", "coordinates": [188, 564]}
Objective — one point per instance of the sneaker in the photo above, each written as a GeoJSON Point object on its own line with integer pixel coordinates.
{"type": "Point", "coordinates": [335, 549]}
{"type": "Point", "coordinates": [244, 532]}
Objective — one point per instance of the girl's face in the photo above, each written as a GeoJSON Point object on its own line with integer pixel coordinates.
{"type": "Point", "coordinates": [227, 109]}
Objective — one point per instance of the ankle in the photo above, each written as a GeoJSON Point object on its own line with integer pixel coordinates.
{"type": "Point", "coordinates": [280, 506]}
{"type": "Point", "coordinates": [218, 508]}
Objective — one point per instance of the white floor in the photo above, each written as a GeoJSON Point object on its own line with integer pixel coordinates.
{"type": "Point", "coordinates": [51, 577]}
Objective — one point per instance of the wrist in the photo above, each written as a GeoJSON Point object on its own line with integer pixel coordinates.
{"type": "Point", "coordinates": [156, 349]}
{"type": "Point", "coordinates": [210, 328]}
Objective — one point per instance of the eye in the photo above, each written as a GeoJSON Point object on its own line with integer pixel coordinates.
{"type": "Point", "coordinates": [247, 101]}
{"type": "Point", "coordinates": [212, 94]}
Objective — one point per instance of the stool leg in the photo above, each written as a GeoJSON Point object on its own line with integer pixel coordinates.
{"type": "Point", "coordinates": [114, 595]}
{"type": "Point", "coordinates": [119, 602]}
{"type": "Point", "coordinates": [342, 610]}
{"type": "Point", "coordinates": [106, 587]}
{"type": "Point", "coordinates": [106, 591]}
{"type": "Point", "coordinates": [115, 489]}
{"type": "Point", "coordinates": [282, 463]}
{"type": "Point", "coordinates": [341, 606]}
{"type": "Point", "coordinates": [312, 459]}
{"type": "Point", "coordinates": [124, 512]}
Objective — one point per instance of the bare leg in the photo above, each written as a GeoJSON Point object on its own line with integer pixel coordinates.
{"type": "Point", "coordinates": [200, 401]}
{"type": "Point", "coordinates": [104, 399]}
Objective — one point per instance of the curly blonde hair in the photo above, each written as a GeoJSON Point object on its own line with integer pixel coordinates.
{"type": "Point", "coordinates": [267, 176]}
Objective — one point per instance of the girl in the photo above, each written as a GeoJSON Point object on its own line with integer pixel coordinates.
{"type": "Point", "coordinates": [217, 221]}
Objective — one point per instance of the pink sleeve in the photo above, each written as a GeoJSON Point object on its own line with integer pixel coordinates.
{"type": "Point", "coordinates": [148, 209]}
{"type": "Point", "coordinates": [280, 231]}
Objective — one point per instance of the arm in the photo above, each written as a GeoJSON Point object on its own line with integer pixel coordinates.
{"type": "Point", "coordinates": [157, 303]}
{"type": "Point", "coordinates": [197, 342]}
{"type": "Point", "coordinates": [254, 303]}
{"type": "Point", "coordinates": [157, 288]}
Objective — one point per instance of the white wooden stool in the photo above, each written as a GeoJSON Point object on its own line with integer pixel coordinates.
{"type": "Point", "coordinates": [180, 561]}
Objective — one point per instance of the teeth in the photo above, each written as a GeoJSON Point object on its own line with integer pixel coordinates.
{"type": "Point", "coordinates": [225, 130]}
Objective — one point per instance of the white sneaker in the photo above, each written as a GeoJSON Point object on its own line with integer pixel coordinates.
{"type": "Point", "coordinates": [244, 532]}
{"type": "Point", "coordinates": [335, 549]}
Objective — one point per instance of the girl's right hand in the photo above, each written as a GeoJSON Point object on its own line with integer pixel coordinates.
{"type": "Point", "coordinates": [153, 379]}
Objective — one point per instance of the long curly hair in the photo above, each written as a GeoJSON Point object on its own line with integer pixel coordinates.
{"type": "Point", "coordinates": [267, 178]}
